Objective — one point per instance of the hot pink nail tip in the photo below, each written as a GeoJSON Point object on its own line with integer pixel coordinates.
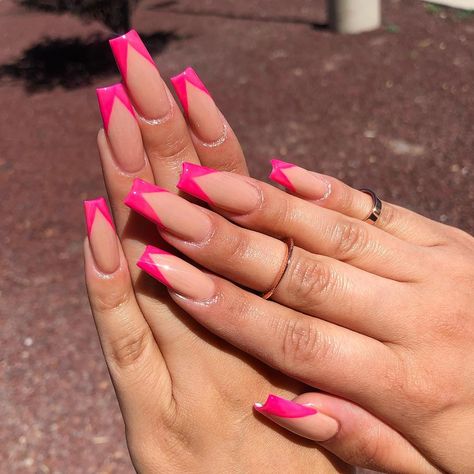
{"type": "Point", "coordinates": [187, 181]}
{"type": "Point", "coordinates": [119, 48]}
{"type": "Point", "coordinates": [179, 84]}
{"type": "Point", "coordinates": [284, 408]}
{"type": "Point", "coordinates": [279, 176]}
{"type": "Point", "coordinates": [90, 210]}
{"type": "Point", "coordinates": [147, 264]}
{"type": "Point", "coordinates": [138, 203]}
{"type": "Point", "coordinates": [106, 97]}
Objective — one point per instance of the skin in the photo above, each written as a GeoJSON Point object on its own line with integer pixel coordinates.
{"type": "Point", "coordinates": [401, 390]}
{"type": "Point", "coordinates": [186, 396]}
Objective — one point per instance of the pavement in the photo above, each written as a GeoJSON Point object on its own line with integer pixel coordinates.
{"type": "Point", "coordinates": [391, 109]}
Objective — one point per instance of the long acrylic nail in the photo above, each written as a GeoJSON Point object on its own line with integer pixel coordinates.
{"type": "Point", "coordinates": [303, 420]}
{"type": "Point", "coordinates": [206, 120]}
{"type": "Point", "coordinates": [228, 191]}
{"type": "Point", "coordinates": [281, 407]}
{"type": "Point", "coordinates": [177, 274]}
{"type": "Point", "coordinates": [306, 184]}
{"type": "Point", "coordinates": [143, 80]}
{"type": "Point", "coordinates": [171, 212]}
{"type": "Point", "coordinates": [121, 127]}
{"type": "Point", "coordinates": [102, 236]}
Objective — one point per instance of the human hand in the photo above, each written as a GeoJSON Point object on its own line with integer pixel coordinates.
{"type": "Point", "coordinates": [378, 316]}
{"type": "Point", "coordinates": [184, 393]}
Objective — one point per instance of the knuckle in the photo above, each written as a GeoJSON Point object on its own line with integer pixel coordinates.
{"type": "Point", "coordinates": [389, 216]}
{"type": "Point", "coordinates": [172, 151]}
{"type": "Point", "coordinates": [310, 280]}
{"type": "Point", "coordinates": [112, 300]}
{"type": "Point", "coordinates": [301, 342]}
{"type": "Point", "coordinates": [350, 238]}
{"type": "Point", "coordinates": [129, 349]}
{"type": "Point", "coordinates": [237, 247]}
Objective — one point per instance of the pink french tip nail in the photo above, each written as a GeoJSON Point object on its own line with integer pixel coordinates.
{"type": "Point", "coordinates": [90, 210]}
{"type": "Point", "coordinates": [187, 181]}
{"type": "Point", "coordinates": [278, 406]}
{"type": "Point", "coordinates": [179, 84]}
{"type": "Point", "coordinates": [106, 97]}
{"type": "Point", "coordinates": [136, 200]}
{"type": "Point", "coordinates": [120, 47]}
{"type": "Point", "coordinates": [278, 174]}
{"type": "Point", "coordinates": [147, 264]}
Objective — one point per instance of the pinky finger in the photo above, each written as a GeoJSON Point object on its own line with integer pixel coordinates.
{"type": "Point", "coordinates": [333, 194]}
{"type": "Point", "coordinates": [137, 368]}
{"type": "Point", "coordinates": [348, 431]}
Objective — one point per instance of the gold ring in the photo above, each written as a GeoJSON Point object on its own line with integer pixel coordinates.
{"type": "Point", "coordinates": [376, 210]}
{"type": "Point", "coordinates": [290, 244]}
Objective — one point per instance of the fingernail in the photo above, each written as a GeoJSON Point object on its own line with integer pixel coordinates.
{"type": "Point", "coordinates": [303, 420]}
{"type": "Point", "coordinates": [102, 236]}
{"type": "Point", "coordinates": [121, 127]}
{"type": "Point", "coordinates": [171, 212]}
{"type": "Point", "coordinates": [176, 274]}
{"type": "Point", "coordinates": [139, 72]}
{"type": "Point", "coordinates": [228, 191]}
{"type": "Point", "coordinates": [278, 406]}
{"type": "Point", "coordinates": [206, 121]}
{"type": "Point", "coordinates": [305, 183]}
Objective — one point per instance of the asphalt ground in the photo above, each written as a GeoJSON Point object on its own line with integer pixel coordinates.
{"type": "Point", "coordinates": [391, 109]}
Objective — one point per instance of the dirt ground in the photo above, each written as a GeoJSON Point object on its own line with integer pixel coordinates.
{"type": "Point", "coordinates": [392, 109]}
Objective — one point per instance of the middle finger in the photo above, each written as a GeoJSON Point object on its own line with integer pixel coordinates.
{"type": "Point", "coordinates": [259, 206]}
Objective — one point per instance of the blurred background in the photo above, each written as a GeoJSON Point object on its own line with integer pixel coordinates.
{"type": "Point", "coordinates": [391, 109]}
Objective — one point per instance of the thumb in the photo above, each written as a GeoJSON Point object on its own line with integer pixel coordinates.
{"type": "Point", "coordinates": [348, 431]}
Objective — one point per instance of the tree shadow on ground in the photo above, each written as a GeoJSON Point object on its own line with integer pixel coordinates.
{"type": "Point", "coordinates": [71, 62]}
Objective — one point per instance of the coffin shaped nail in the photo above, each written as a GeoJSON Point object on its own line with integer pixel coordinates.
{"type": "Point", "coordinates": [107, 97]}
{"type": "Point", "coordinates": [179, 84]}
{"type": "Point", "coordinates": [91, 208]}
{"type": "Point", "coordinates": [137, 199]}
{"type": "Point", "coordinates": [120, 50]}
{"type": "Point", "coordinates": [169, 211]}
{"type": "Point", "coordinates": [102, 236]}
{"type": "Point", "coordinates": [307, 184]}
{"type": "Point", "coordinates": [281, 407]}
{"type": "Point", "coordinates": [176, 274]}
{"type": "Point", "coordinates": [228, 191]}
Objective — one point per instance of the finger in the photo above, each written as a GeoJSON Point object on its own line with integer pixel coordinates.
{"type": "Point", "coordinates": [331, 193]}
{"type": "Point", "coordinates": [136, 366]}
{"type": "Point", "coordinates": [308, 349]}
{"type": "Point", "coordinates": [347, 430]}
{"type": "Point", "coordinates": [313, 284]}
{"type": "Point", "coordinates": [213, 138]}
{"type": "Point", "coordinates": [121, 149]}
{"type": "Point", "coordinates": [164, 130]}
{"type": "Point", "coordinates": [261, 207]}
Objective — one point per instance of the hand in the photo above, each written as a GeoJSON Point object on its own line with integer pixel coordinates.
{"type": "Point", "coordinates": [379, 315]}
{"type": "Point", "coordinates": [185, 395]}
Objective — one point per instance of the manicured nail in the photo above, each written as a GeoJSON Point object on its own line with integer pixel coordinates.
{"type": "Point", "coordinates": [102, 236]}
{"type": "Point", "coordinates": [176, 274]}
{"type": "Point", "coordinates": [121, 127]}
{"type": "Point", "coordinates": [303, 420]}
{"type": "Point", "coordinates": [307, 184]}
{"type": "Point", "coordinates": [206, 120]}
{"type": "Point", "coordinates": [143, 80]}
{"type": "Point", "coordinates": [228, 191]}
{"type": "Point", "coordinates": [278, 406]}
{"type": "Point", "coordinates": [171, 212]}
